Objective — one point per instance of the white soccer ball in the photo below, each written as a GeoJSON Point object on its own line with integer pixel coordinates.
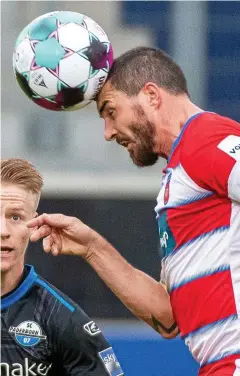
{"type": "Point", "coordinates": [61, 60]}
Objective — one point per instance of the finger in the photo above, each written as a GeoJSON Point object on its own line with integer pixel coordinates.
{"type": "Point", "coordinates": [47, 244]}
{"type": "Point", "coordinates": [50, 246]}
{"type": "Point", "coordinates": [54, 220]}
{"type": "Point", "coordinates": [38, 221]}
{"type": "Point", "coordinates": [57, 239]}
{"type": "Point", "coordinates": [55, 250]}
{"type": "Point", "coordinates": [40, 233]}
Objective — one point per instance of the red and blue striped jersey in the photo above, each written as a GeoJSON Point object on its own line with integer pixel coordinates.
{"type": "Point", "coordinates": [198, 213]}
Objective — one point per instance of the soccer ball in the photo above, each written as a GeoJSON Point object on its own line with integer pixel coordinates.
{"type": "Point", "coordinates": [61, 60]}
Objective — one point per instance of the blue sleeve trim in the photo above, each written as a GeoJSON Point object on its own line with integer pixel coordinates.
{"type": "Point", "coordinates": [54, 293]}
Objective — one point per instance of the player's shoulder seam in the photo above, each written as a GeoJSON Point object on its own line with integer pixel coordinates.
{"type": "Point", "coordinates": [61, 297]}
{"type": "Point", "coordinates": [208, 124]}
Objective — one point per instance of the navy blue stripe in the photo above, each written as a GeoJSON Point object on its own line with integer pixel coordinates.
{"type": "Point", "coordinates": [219, 229]}
{"type": "Point", "coordinates": [54, 293]}
{"type": "Point", "coordinates": [21, 290]}
{"type": "Point", "coordinates": [222, 356]}
{"type": "Point", "coordinates": [205, 328]}
{"type": "Point", "coordinates": [200, 275]}
{"type": "Point", "coordinates": [177, 204]}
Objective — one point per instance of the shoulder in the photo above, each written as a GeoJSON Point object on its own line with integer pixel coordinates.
{"type": "Point", "coordinates": [205, 130]}
{"type": "Point", "coordinates": [55, 295]}
{"type": "Point", "coordinates": [208, 148]}
{"type": "Point", "coordinates": [62, 305]}
{"type": "Point", "coordinates": [58, 312]}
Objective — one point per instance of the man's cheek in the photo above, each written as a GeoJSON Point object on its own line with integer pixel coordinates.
{"type": "Point", "coordinates": [24, 241]}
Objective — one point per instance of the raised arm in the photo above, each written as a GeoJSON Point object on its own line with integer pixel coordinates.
{"type": "Point", "coordinates": [142, 295]}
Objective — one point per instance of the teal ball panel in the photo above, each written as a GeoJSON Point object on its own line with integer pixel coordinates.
{"type": "Point", "coordinates": [67, 17]}
{"type": "Point", "coordinates": [43, 28]}
{"type": "Point", "coordinates": [49, 53]}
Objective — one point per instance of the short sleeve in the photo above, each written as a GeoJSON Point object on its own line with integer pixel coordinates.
{"type": "Point", "coordinates": [83, 350]}
{"type": "Point", "coordinates": [210, 154]}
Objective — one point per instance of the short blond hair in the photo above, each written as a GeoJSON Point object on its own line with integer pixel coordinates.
{"type": "Point", "coordinates": [23, 173]}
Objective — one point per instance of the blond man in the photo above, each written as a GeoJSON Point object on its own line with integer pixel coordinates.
{"type": "Point", "coordinates": [43, 331]}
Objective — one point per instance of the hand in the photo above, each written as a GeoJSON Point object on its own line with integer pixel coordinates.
{"type": "Point", "coordinates": [62, 234]}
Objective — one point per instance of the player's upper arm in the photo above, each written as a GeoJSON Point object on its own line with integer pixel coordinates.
{"type": "Point", "coordinates": [211, 155]}
{"type": "Point", "coordinates": [84, 350]}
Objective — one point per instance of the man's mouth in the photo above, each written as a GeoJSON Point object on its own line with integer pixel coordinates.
{"type": "Point", "coordinates": [124, 144]}
{"type": "Point", "coordinates": [6, 250]}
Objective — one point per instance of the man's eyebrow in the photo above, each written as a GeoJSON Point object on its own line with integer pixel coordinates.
{"type": "Point", "coordinates": [17, 207]}
{"type": "Point", "coordinates": [101, 109]}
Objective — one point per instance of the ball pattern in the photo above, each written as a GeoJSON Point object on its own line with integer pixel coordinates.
{"type": "Point", "coordinates": [61, 60]}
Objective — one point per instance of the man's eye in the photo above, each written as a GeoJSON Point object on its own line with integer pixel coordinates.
{"type": "Point", "coordinates": [16, 217]}
{"type": "Point", "coordinates": [110, 112]}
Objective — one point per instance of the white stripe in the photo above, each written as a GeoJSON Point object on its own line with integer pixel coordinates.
{"type": "Point", "coordinates": [237, 370]}
{"type": "Point", "coordinates": [234, 183]}
{"type": "Point", "coordinates": [200, 257]}
{"type": "Point", "coordinates": [234, 253]}
{"type": "Point", "coordinates": [216, 342]}
{"type": "Point", "coordinates": [183, 190]}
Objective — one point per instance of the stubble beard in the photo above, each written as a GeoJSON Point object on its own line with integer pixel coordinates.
{"type": "Point", "coordinates": [144, 132]}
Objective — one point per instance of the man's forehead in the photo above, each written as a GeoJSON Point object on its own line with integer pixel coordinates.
{"type": "Point", "coordinates": [16, 194]}
{"type": "Point", "coordinates": [106, 93]}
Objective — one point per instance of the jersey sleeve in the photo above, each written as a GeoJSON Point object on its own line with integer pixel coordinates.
{"type": "Point", "coordinates": [210, 155]}
{"type": "Point", "coordinates": [83, 350]}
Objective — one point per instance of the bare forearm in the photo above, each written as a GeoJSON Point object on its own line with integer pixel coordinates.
{"type": "Point", "coordinates": [140, 293]}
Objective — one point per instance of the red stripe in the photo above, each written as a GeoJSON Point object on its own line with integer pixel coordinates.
{"type": "Point", "coordinates": [223, 367]}
{"type": "Point", "coordinates": [175, 159]}
{"type": "Point", "coordinates": [192, 220]}
{"type": "Point", "coordinates": [203, 161]}
{"type": "Point", "coordinates": [203, 301]}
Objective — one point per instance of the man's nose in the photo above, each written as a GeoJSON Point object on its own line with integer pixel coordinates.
{"type": "Point", "coordinates": [5, 233]}
{"type": "Point", "coordinates": [110, 132]}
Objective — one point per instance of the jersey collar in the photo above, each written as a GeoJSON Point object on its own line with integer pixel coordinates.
{"type": "Point", "coordinates": [21, 290]}
{"type": "Point", "coordinates": [177, 141]}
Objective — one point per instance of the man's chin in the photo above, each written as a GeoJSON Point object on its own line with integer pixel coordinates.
{"type": "Point", "coordinates": [147, 162]}
{"type": "Point", "coordinates": [4, 269]}
{"type": "Point", "coordinates": [5, 266]}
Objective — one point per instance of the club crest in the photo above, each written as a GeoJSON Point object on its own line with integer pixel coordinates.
{"type": "Point", "coordinates": [166, 191]}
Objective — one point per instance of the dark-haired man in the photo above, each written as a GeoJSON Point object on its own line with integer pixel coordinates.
{"type": "Point", "coordinates": [147, 109]}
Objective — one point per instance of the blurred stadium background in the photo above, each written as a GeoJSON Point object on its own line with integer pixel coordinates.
{"type": "Point", "coordinates": [87, 177]}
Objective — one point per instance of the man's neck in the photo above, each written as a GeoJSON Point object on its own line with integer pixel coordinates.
{"type": "Point", "coordinates": [11, 279]}
{"type": "Point", "coordinates": [172, 122]}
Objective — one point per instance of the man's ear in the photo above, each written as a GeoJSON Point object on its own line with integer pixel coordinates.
{"type": "Point", "coordinates": [153, 93]}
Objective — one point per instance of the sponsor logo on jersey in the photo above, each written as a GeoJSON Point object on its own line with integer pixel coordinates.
{"type": "Point", "coordinates": [25, 369]}
{"type": "Point", "coordinates": [231, 146]}
{"type": "Point", "coordinates": [27, 333]}
{"type": "Point", "coordinates": [92, 328]}
{"type": "Point", "coordinates": [110, 362]}
{"type": "Point", "coordinates": [164, 239]}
